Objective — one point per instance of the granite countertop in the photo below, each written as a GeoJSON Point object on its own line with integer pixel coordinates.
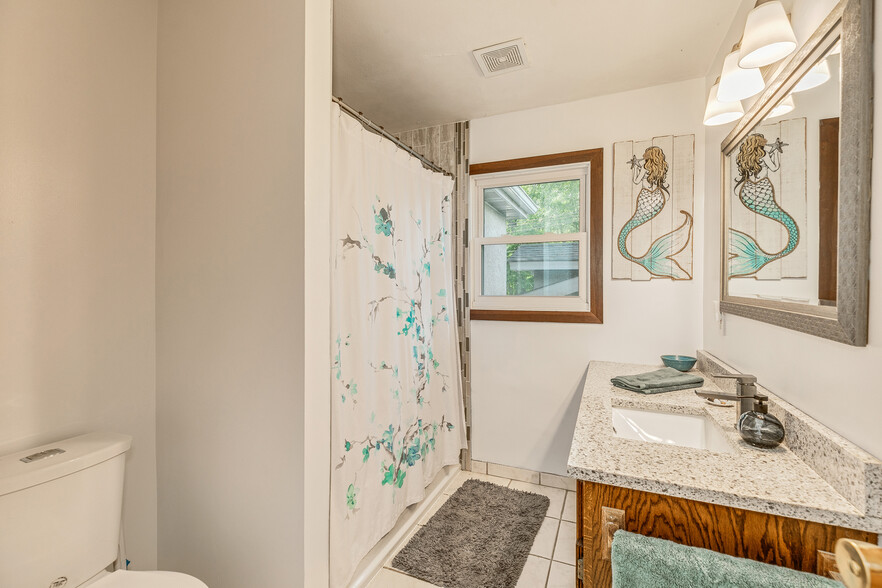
{"type": "Point", "coordinates": [842, 487]}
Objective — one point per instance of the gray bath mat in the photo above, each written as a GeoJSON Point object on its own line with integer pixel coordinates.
{"type": "Point", "coordinates": [479, 538]}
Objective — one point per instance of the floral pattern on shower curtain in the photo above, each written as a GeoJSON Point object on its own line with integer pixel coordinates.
{"type": "Point", "coordinates": [396, 416]}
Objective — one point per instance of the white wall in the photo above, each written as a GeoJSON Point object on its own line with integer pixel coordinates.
{"type": "Point", "coordinates": [835, 383]}
{"type": "Point", "coordinates": [526, 377]}
{"type": "Point", "coordinates": [77, 206]}
{"type": "Point", "coordinates": [241, 400]}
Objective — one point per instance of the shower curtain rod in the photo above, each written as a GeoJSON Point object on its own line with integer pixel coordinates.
{"type": "Point", "coordinates": [384, 133]}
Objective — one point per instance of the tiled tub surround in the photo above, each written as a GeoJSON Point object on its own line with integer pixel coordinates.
{"type": "Point", "coordinates": [818, 476]}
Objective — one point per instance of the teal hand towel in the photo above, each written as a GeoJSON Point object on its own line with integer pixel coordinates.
{"type": "Point", "coordinates": [656, 563]}
{"type": "Point", "coordinates": [663, 380]}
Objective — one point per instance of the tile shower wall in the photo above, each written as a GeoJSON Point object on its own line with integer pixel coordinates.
{"type": "Point", "coordinates": [447, 146]}
{"type": "Point", "coordinates": [437, 144]}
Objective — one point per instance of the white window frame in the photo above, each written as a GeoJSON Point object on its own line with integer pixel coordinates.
{"type": "Point", "coordinates": [558, 173]}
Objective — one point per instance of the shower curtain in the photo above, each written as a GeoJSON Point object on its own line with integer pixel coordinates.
{"type": "Point", "coordinates": [396, 416]}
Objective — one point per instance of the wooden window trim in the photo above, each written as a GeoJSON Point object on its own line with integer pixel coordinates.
{"type": "Point", "coordinates": [595, 237]}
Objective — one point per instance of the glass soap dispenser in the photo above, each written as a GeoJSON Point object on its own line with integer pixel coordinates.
{"type": "Point", "coordinates": [759, 428]}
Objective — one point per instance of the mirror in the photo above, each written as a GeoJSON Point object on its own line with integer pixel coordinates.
{"type": "Point", "coordinates": [783, 196]}
{"type": "Point", "coordinates": [795, 188]}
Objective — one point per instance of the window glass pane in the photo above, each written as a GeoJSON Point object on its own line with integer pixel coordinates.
{"type": "Point", "coordinates": [530, 269]}
{"type": "Point", "coordinates": [532, 209]}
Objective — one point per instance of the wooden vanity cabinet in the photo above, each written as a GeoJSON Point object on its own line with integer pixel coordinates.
{"type": "Point", "coordinates": [769, 538]}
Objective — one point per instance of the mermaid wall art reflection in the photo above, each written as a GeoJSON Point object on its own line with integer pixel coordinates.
{"type": "Point", "coordinates": [768, 204]}
{"type": "Point", "coordinates": [653, 208]}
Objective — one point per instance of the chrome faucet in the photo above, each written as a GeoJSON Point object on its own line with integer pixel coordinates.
{"type": "Point", "coordinates": [746, 395]}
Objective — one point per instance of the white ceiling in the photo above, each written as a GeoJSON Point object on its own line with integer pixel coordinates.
{"type": "Point", "coordinates": [408, 63]}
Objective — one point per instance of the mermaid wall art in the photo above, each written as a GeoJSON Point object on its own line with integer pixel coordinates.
{"type": "Point", "coordinates": [767, 203]}
{"type": "Point", "coordinates": [652, 208]}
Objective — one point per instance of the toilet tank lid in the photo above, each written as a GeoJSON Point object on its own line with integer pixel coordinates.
{"type": "Point", "coordinates": [58, 459]}
{"type": "Point", "coordinates": [126, 579]}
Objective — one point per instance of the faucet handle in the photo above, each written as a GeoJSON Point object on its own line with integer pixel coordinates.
{"type": "Point", "coordinates": [742, 378]}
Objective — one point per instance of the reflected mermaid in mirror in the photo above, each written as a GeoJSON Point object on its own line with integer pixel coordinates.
{"type": "Point", "coordinates": [756, 158]}
{"type": "Point", "coordinates": [650, 174]}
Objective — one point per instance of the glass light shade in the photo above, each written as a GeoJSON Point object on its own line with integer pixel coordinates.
{"type": "Point", "coordinates": [737, 83]}
{"type": "Point", "coordinates": [783, 107]}
{"type": "Point", "coordinates": [720, 113]}
{"type": "Point", "coordinates": [768, 36]}
{"type": "Point", "coordinates": [816, 76]}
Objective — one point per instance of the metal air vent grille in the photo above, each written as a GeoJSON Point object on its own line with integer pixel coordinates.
{"type": "Point", "coordinates": [501, 58]}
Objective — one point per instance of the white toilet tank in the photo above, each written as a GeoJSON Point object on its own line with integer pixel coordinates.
{"type": "Point", "coordinates": [60, 511]}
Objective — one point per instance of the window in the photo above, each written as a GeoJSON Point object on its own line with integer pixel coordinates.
{"type": "Point", "coordinates": [536, 246]}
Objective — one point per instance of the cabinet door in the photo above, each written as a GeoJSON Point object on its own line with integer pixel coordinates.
{"type": "Point", "coordinates": [772, 539]}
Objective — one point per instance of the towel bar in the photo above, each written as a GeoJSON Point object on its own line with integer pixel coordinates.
{"type": "Point", "coordinates": [859, 563]}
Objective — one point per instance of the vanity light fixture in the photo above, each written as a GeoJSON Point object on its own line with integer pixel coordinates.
{"type": "Point", "coordinates": [737, 83]}
{"type": "Point", "coordinates": [783, 107]}
{"type": "Point", "coordinates": [720, 113]}
{"type": "Point", "coordinates": [768, 36]}
{"type": "Point", "coordinates": [816, 76]}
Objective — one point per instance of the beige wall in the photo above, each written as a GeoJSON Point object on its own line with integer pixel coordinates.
{"type": "Point", "coordinates": [316, 283]}
{"type": "Point", "coordinates": [242, 287]}
{"type": "Point", "coordinates": [243, 159]}
{"type": "Point", "coordinates": [77, 212]}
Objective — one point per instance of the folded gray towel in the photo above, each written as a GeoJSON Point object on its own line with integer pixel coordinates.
{"type": "Point", "coordinates": [663, 380]}
{"type": "Point", "coordinates": [655, 563]}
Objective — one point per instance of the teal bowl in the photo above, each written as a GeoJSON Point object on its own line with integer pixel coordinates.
{"type": "Point", "coordinates": [684, 363]}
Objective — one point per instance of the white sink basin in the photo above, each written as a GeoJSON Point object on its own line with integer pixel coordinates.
{"type": "Point", "coordinates": [686, 430]}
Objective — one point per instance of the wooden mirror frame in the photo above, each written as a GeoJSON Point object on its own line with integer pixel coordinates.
{"type": "Point", "coordinates": [852, 20]}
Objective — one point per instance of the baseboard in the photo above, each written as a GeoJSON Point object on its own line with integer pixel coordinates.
{"type": "Point", "coordinates": [524, 475]}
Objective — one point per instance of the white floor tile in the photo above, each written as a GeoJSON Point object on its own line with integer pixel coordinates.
{"type": "Point", "coordinates": [556, 481]}
{"type": "Point", "coordinates": [479, 467]}
{"type": "Point", "coordinates": [535, 573]}
{"type": "Point", "coordinates": [565, 549]}
{"type": "Point", "coordinates": [561, 575]}
{"type": "Point", "coordinates": [569, 511]}
{"type": "Point", "coordinates": [461, 477]}
{"type": "Point", "coordinates": [543, 545]}
{"type": "Point", "coordinates": [433, 509]}
{"type": "Point", "coordinates": [556, 495]}
{"type": "Point", "coordinates": [392, 579]}
{"type": "Point", "coordinates": [504, 471]}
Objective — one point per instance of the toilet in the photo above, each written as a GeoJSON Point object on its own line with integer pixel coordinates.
{"type": "Point", "coordinates": [60, 514]}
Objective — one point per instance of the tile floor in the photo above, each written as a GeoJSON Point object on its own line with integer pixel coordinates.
{"type": "Point", "coordinates": [551, 563]}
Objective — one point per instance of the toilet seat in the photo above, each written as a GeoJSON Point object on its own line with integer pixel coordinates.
{"type": "Point", "coordinates": [124, 579]}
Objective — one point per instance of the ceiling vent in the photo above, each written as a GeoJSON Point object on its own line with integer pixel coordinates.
{"type": "Point", "coordinates": [501, 58]}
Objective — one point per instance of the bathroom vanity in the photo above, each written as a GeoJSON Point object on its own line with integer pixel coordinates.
{"type": "Point", "coordinates": [704, 486]}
